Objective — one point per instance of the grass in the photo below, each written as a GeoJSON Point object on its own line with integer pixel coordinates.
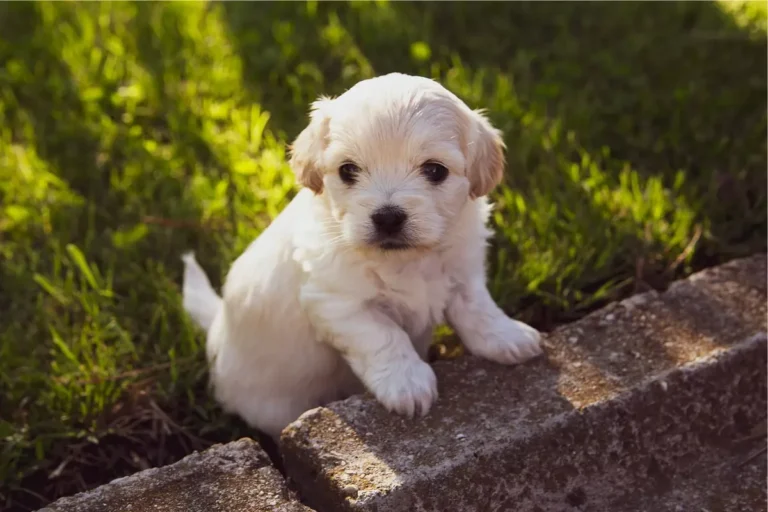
{"type": "Point", "coordinates": [132, 132]}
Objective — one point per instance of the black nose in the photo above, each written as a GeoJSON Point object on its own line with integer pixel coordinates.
{"type": "Point", "coordinates": [389, 220]}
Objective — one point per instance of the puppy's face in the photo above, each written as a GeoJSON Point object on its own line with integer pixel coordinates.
{"type": "Point", "coordinates": [397, 157]}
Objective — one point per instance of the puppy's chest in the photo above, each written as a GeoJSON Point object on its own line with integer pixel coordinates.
{"type": "Point", "coordinates": [414, 295]}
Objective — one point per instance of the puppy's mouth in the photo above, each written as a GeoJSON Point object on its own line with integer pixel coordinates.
{"type": "Point", "coordinates": [391, 243]}
{"type": "Point", "coordinates": [394, 245]}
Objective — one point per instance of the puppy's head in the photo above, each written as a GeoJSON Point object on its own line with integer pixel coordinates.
{"type": "Point", "coordinates": [397, 157]}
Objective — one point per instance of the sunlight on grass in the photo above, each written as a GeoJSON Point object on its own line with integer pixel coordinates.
{"type": "Point", "coordinates": [749, 14]}
{"type": "Point", "coordinates": [94, 280]}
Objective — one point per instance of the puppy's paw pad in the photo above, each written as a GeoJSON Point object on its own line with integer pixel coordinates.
{"type": "Point", "coordinates": [406, 388]}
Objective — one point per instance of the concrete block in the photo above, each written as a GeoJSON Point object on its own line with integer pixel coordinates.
{"type": "Point", "coordinates": [634, 403]}
{"type": "Point", "coordinates": [237, 476]}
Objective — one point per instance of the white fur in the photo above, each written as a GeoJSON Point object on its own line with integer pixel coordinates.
{"type": "Point", "coordinates": [199, 298]}
{"type": "Point", "coordinates": [314, 311]}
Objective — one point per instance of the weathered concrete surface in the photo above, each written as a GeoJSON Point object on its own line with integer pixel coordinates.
{"type": "Point", "coordinates": [715, 483]}
{"type": "Point", "coordinates": [624, 411]}
{"type": "Point", "coordinates": [232, 477]}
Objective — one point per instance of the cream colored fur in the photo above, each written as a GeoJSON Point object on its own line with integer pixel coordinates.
{"type": "Point", "coordinates": [314, 311]}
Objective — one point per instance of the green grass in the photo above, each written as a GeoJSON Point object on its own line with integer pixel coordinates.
{"type": "Point", "coordinates": [132, 132]}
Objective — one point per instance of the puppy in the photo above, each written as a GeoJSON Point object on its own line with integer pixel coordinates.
{"type": "Point", "coordinates": [386, 239]}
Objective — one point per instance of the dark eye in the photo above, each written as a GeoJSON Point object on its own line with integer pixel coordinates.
{"type": "Point", "coordinates": [434, 172]}
{"type": "Point", "coordinates": [348, 173]}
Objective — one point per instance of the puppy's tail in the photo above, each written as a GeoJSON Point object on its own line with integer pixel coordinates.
{"type": "Point", "coordinates": [199, 298]}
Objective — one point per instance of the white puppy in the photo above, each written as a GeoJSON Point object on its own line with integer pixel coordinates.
{"type": "Point", "coordinates": [386, 240]}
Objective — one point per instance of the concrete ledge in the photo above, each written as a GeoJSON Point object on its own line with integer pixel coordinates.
{"type": "Point", "coordinates": [236, 476]}
{"type": "Point", "coordinates": [624, 406]}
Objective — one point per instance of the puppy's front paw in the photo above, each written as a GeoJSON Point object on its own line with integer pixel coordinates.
{"type": "Point", "coordinates": [507, 341]}
{"type": "Point", "coordinates": [405, 387]}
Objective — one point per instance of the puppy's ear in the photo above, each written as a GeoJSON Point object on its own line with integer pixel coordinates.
{"type": "Point", "coordinates": [485, 158]}
{"type": "Point", "coordinates": [307, 149]}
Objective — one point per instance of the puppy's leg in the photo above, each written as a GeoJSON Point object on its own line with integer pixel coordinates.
{"type": "Point", "coordinates": [377, 350]}
{"type": "Point", "coordinates": [486, 330]}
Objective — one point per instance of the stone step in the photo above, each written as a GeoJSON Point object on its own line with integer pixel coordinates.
{"type": "Point", "coordinates": [631, 408]}
{"type": "Point", "coordinates": [234, 477]}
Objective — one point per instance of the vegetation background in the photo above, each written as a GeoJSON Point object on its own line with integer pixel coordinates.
{"type": "Point", "coordinates": [131, 132]}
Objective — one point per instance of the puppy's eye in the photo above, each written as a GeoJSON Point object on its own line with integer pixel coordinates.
{"type": "Point", "coordinates": [434, 172]}
{"type": "Point", "coordinates": [348, 173]}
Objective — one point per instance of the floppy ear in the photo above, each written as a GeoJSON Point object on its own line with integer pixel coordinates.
{"type": "Point", "coordinates": [485, 159]}
{"type": "Point", "coordinates": [307, 149]}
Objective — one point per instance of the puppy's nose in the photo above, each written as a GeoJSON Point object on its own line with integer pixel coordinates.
{"type": "Point", "coordinates": [389, 220]}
